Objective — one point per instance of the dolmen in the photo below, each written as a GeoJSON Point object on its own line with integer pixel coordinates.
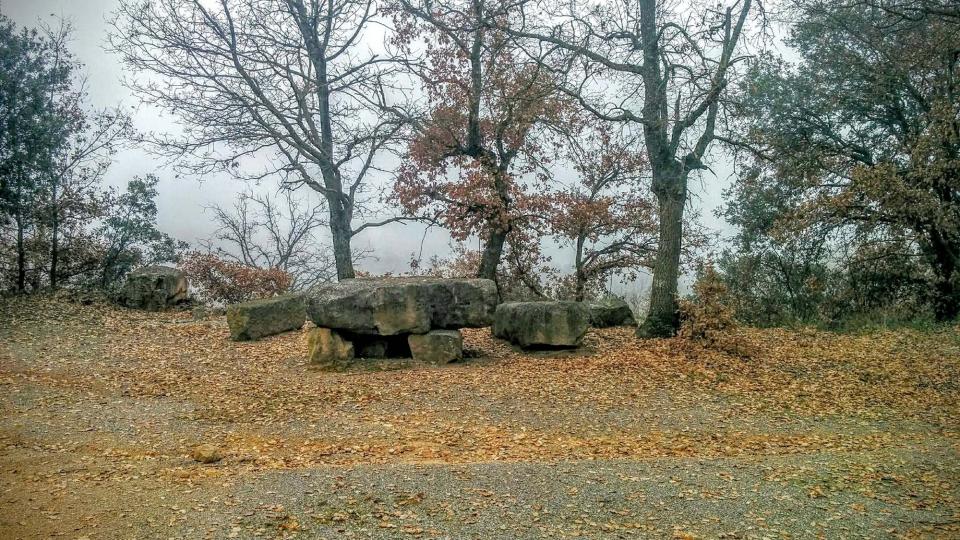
{"type": "Point", "coordinates": [542, 324]}
{"type": "Point", "coordinates": [396, 317]}
{"type": "Point", "coordinates": [154, 288]}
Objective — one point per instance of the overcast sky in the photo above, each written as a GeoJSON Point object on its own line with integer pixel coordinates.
{"type": "Point", "coordinates": [181, 201]}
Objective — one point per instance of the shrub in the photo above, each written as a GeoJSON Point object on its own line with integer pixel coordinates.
{"type": "Point", "coordinates": [228, 282]}
{"type": "Point", "coordinates": [707, 317]}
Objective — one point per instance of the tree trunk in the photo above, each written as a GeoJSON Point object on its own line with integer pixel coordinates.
{"type": "Point", "coordinates": [341, 232]}
{"type": "Point", "coordinates": [945, 255]}
{"type": "Point", "coordinates": [54, 236]}
{"type": "Point", "coordinates": [21, 249]}
{"type": "Point", "coordinates": [580, 291]}
{"type": "Point", "coordinates": [492, 252]}
{"type": "Point", "coordinates": [663, 319]}
{"type": "Point", "coordinates": [948, 301]}
{"type": "Point", "coordinates": [21, 254]}
{"type": "Point", "coordinates": [341, 209]}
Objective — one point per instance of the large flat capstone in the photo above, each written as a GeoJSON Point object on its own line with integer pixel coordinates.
{"type": "Point", "coordinates": [550, 324]}
{"type": "Point", "coordinates": [403, 305]}
{"type": "Point", "coordinates": [267, 316]}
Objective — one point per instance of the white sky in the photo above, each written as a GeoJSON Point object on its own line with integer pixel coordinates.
{"type": "Point", "coordinates": [181, 201]}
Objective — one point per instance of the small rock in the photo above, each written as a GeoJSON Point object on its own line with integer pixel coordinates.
{"type": "Point", "coordinates": [206, 453]}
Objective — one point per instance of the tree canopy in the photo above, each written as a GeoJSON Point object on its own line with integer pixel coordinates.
{"type": "Point", "coordinates": [861, 135]}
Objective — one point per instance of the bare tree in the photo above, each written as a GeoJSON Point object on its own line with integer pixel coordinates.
{"type": "Point", "coordinates": [671, 64]}
{"type": "Point", "coordinates": [274, 232]}
{"type": "Point", "coordinates": [289, 80]}
{"type": "Point", "coordinates": [76, 171]}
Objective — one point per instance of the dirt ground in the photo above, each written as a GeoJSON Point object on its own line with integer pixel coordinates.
{"type": "Point", "coordinates": [808, 435]}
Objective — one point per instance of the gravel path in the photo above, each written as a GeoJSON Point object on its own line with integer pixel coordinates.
{"type": "Point", "coordinates": [792, 497]}
{"type": "Point", "coordinates": [881, 494]}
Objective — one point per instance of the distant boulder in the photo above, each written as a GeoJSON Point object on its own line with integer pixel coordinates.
{"type": "Point", "coordinates": [266, 316]}
{"type": "Point", "coordinates": [610, 311]}
{"type": "Point", "coordinates": [154, 288]}
{"type": "Point", "coordinates": [539, 324]}
{"type": "Point", "coordinates": [407, 305]}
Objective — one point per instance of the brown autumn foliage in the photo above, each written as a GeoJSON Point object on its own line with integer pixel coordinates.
{"type": "Point", "coordinates": [708, 319]}
{"type": "Point", "coordinates": [121, 398]}
{"type": "Point", "coordinates": [229, 282]}
{"type": "Point", "coordinates": [608, 214]}
{"type": "Point", "coordinates": [476, 162]}
{"type": "Point", "coordinates": [862, 138]}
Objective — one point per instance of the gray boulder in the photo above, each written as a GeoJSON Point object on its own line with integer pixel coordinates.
{"type": "Point", "coordinates": [266, 316]}
{"type": "Point", "coordinates": [154, 288]}
{"type": "Point", "coordinates": [551, 324]}
{"type": "Point", "coordinates": [436, 347]}
{"type": "Point", "coordinates": [328, 350]}
{"type": "Point", "coordinates": [610, 311]}
{"type": "Point", "coordinates": [407, 305]}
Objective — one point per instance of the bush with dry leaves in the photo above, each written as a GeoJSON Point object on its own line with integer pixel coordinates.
{"type": "Point", "coordinates": [707, 317]}
{"type": "Point", "coordinates": [228, 282]}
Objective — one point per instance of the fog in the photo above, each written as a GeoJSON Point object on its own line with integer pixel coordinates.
{"type": "Point", "coordinates": [183, 200]}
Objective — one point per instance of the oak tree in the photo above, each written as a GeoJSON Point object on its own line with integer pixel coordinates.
{"type": "Point", "coordinates": [476, 162]}
{"type": "Point", "coordinates": [29, 132]}
{"type": "Point", "coordinates": [864, 130]}
{"type": "Point", "coordinates": [54, 153]}
{"type": "Point", "coordinates": [606, 214]}
{"type": "Point", "coordinates": [669, 66]}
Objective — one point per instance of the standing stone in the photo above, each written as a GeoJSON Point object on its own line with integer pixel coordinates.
{"type": "Point", "coordinates": [436, 347]}
{"type": "Point", "coordinates": [154, 288]}
{"type": "Point", "coordinates": [407, 305]}
{"type": "Point", "coordinates": [551, 324]}
{"type": "Point", "coordinates": [610, 311]}
{"type": "Point", "coordinates": [328, 350]}
{"type": "Point", "coordinates": [266, 316]}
